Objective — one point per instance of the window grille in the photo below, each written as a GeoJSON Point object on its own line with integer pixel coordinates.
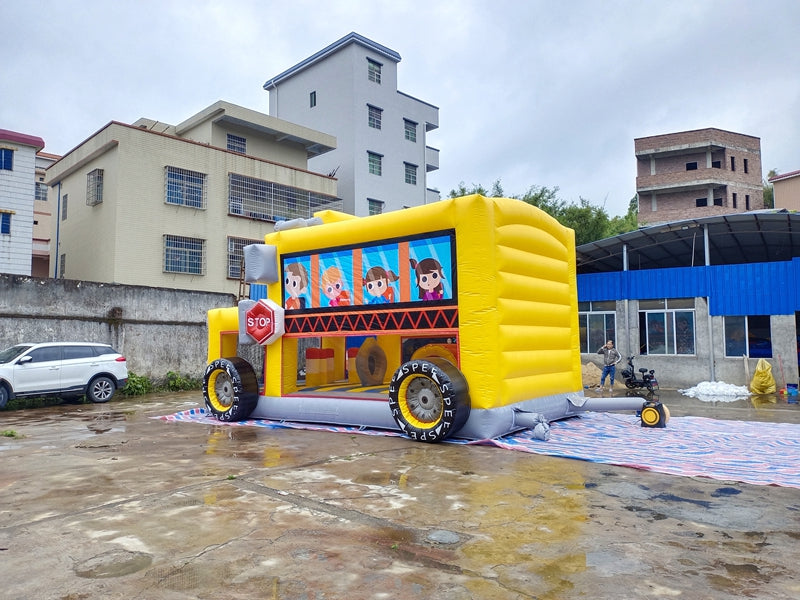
{"type": "Point", "coordinates": [373, 70]}
{"type": "Point", "coordinates": [184, 255]}
{"type": "Point", "coordinates": [94, 187]}
{"type": "Point", "coordinates": [64, 202]}
{"type": "Point", "coordinates": [375, 163]}
{"type": "Point", "coordinates": [63, 266]}
{"type": "Point", "coordinates": [237, 143]}
{"type": "Point", "coordinates": [375, 206]}
{"type": "Point", "coordinates": [411, 173]}
{"type": "Point", "coordinates": [375, 114]}
{"type": "Point", "coordinates": [267, 201]}
{"type": "Point", "coordinates": [185, 188]}
{"type": "Point", "coordinates": [410, 130]}
{"type": "Point", "coordinates": [236, 253]}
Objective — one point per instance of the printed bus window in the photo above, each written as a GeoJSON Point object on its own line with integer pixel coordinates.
{"type": "Point", "coordinates": [296, 284]}
{"type": "Point", "coordinates": [380, 265]}
{"type": "Point", "coordinates": [335, 275]}
{"type": "Point", "coordinates": [431, 271]}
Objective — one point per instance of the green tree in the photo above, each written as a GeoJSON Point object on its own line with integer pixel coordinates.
{"type": "Point", "coordinates": [769, 191]}
{"type": "Point", "coordinates": [589, 222]}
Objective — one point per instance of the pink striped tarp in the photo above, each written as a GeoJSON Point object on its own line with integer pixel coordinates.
{"type": "Point", "coordinates": [758, 453]}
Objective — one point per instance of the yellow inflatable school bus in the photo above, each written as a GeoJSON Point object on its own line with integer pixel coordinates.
{"type": "Point", "coordinates": [457, 318]}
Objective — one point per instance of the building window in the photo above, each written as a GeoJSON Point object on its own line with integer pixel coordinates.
{"type": "Point", "coordinates": [62, 266]}
{"type": "Point", "coordinates": [716, 164]}
{"type": "Point", "coordinates": [6, 159]}
{"type": "Point", "coordinates": [410, 128]}
{"type": "Point", "coordinates": [184, 255]}
{"type": "Point", "coordinates": [64, 202]}
{"type": "Point", "coordinates": [375, 115]}
{"type": "Point", "coordinates": [733, 163]}
{"type": "Point", "coordinates": [597, 324]}
{"type": "Point", "coordinates": [41, 192]}
{"type": "Point", "coordinates": [267, 201]}
{"type": "Point", "coordinates": [747, 201]}
{"type": "Point", "coordinates": [745, 165]}
{"type": "Point", "coordinates": [5, 223]}
{"type": "Point", "coordinates": [375, 163]}
{"type": "Point", "coordinates": [667, 326]}
{"type": "Point", "coordinates": [701, 202]}
{"type": "Point", "coordinates": [312, 99]}
{"type": "Point", "coordinates": [185, 188]}
{"type": "Point", "coordinates": [717, 201]}
{"type": "Point", "coordinates": [373, 70]}
{"type": "Point", "coordinates": [411, 173]}
{"type": "Point", "coordinates": [94, 187]}
{"type": "Point", "coordinates": [237, 143]}
{"type": "Point", "coordinates": [236, 255]}
{"type": "Point", "coordinates": [748, 336]}
{"type": "Point", "coordinates": [375, 206]}
{"type": "Point", "coordinates": [734, 199]}
{"type": "Point", "coordinates": [691, 166]}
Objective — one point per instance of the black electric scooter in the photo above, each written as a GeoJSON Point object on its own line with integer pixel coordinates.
{"type": "Point", "coordinates": [647, 380]}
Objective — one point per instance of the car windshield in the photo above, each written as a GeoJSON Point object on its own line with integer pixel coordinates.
{"type": "Point", "coordinates": [10, 354]}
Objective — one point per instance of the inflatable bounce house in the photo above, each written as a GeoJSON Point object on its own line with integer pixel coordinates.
{"type": "Point", "coordinates": [457, 318]}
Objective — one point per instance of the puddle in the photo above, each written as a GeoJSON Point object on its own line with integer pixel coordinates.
{"type": "Point", "coordinates": [114, 563]}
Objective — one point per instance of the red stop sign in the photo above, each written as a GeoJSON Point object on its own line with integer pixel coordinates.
{"type": "Point", "coordinates": [264, 321]}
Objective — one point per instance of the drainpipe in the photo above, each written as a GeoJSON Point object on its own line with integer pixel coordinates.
{"type": "Point", "coordinates": [58, 230]}
{"type": "Point", "coordinates": [627, 305]}
{"type": "Point", "coordinates": [712, 370]}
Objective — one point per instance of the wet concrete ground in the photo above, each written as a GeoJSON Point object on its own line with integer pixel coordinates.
{"type": "Point", "coordinates": [100, 501]}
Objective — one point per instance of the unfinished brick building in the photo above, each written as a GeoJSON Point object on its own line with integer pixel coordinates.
{"type": "Point", "coordinates": [697, 173]}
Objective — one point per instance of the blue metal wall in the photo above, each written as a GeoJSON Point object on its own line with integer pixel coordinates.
{"type": "Point", "coordinates": [746, 289]}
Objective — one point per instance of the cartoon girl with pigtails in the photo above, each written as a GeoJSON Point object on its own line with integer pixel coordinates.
{"type": "Point", "coordinates": [429, 276]}
{"type": "Point", "coordinates": [378, 282]}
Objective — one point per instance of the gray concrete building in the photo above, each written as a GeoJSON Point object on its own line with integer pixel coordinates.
{"type": "Point", "coordinates": [349, 90]}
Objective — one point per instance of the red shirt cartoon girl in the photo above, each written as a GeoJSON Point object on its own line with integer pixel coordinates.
{"type": "Point", "coordinates": [333, 287]}
{"type": "Point", "coordinates": [429, 277]}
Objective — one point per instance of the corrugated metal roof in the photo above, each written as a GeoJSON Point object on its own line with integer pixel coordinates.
{"type": "Point", "coordinates": [740, 238]}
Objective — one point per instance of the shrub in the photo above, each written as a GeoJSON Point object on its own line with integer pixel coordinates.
{"type": "Point", "coordinates": [137, 385]}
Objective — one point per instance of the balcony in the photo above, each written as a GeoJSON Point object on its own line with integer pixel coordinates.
{"type": "Point", "coordinates": [431, 159]}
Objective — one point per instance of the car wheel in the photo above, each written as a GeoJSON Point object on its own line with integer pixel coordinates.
{"type": "Point", "coordinates": [3, 395]}
{"type": "Point", "coordinates": [101, 389]}
{"type": "Point", "coordinates": [230, 389]}
{"type": "Point", "coordinates": [429, 399]}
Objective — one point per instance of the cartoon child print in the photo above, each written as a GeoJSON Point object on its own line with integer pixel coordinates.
{"type": "Point", "coordinates": [429, 276]}
{"type": "Point", "coordinates": [377, 283]}
{"type": "Point", "coordinates": [296, 282]}
{"type": "Point", "coordinates": [333, 287]}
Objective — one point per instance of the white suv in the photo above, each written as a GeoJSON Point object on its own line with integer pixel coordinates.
{"type": "Point", "coordinates": [62, 369]}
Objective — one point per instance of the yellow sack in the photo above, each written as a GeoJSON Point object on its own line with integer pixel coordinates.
{"type": "Point", "coordinates": [763, 382]}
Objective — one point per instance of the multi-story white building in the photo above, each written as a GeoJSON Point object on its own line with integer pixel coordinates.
{"type": "Point", "coordinates": [349, 90]}
{"type": "Point", "coordinates": [172, 205]}
{"type": "Point", "coordinates": [17, 193]}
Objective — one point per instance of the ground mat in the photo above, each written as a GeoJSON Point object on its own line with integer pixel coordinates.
{"type": "Point", "coordinates": [750, 452]}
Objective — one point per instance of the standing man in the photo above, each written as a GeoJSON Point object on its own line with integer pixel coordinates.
{"type": "Point", "coordinates": [610, 359]}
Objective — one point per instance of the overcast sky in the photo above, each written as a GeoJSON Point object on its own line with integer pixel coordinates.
{"type": "Point", "coordinates": [530, 92]}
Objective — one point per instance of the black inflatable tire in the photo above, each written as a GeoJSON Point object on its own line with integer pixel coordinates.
{"type": "Point", "coordinates": [230, 389]}
{"type": "Point", "coordinates": [654, 414]}
{"type": "Point", "coordinates": [371, 363]}
{"type": "Point", "coordinates": [429, 399]}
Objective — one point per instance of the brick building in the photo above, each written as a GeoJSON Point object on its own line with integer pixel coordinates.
{"type": "Point", "coordinates": [698, 173]}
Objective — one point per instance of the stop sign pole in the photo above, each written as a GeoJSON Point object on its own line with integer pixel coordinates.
{"type": "Point", "coordinates": [263, 321]}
